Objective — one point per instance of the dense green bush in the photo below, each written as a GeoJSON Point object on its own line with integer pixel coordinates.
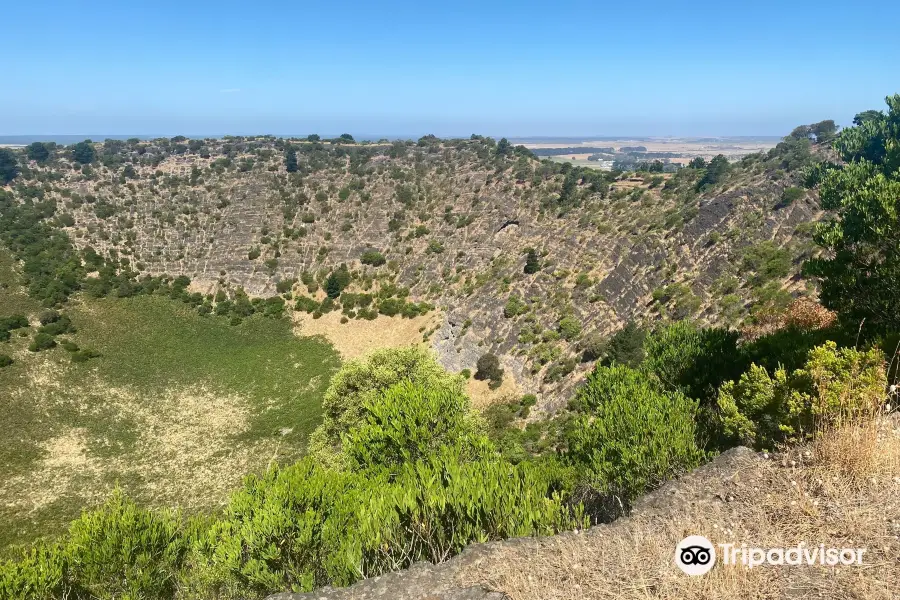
{"type": "Point", "coordinates": [630, 435]}
{"type": "Point", "coordinates": [372, 257]}
{"type": "Point", "coordinates": [8, 324]}
{"type": "Point", "coordinates": [304, 526]}
{"type": "Point", "coordinates": [409, 422]}
{"type": "Point", "coordinates": [626, 346]}
{"type": "Point", "coordinates": [693, 360]}
{"type": "Point", "coordinates": [5, 360]}
{"type": "Point", "coordinates": [360, 382]}
{"type": "Point", "coordinates": [515, 306]}
{"type": "Point", "coordinates": [762, 410]}
{"type": "Point", "coordinates": [569, 328]}
{"type": "Point", "coordinates": [116, 551]}
{"type": "Point", "coordinates": [42, 341]}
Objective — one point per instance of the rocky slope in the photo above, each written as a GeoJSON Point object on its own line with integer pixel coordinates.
{"type": "Point", "coordinates": [452, 220]}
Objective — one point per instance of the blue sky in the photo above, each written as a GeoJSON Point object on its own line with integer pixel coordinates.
{"type": "Point", "coordinates": [412, 67]}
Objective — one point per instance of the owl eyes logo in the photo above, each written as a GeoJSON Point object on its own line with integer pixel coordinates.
{"type": "Point", "coordinates": [695, 555]}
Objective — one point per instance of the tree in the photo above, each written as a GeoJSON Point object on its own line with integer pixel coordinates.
{"type": "Point", "coordinates": [824, 131]}
{"type": "Point", "coordinates": [313, 137]}
{"type": "Point", "coordinates": [867, 115]}
{"type": "Point", "coordinates": [38, 152]}
{"type": "Point", "coordinates": [9, 166]}
{"type": "Point", "coordinates": [503, 147]}
{"type": "Point", "coordinates": [861, 266]}
{"type": "Point", "coordinates": [489, 369]}
{"type": "Point", "coordinates": [84, 153]}
{"type": "Point", "coordinates": [346, 137]}
{"type": "Point", "coordinates": [337, 281]}
{"type": "Point", "coordinates": [716, 171]}
{"type": "Point", "coordinates": [698, 162]}
{"type": "Point", "coordinates": [532, 264]}
{"type": "Point", "coordinates": [290, 160]}
{"type": "Point", "coordinates": [626, 346]}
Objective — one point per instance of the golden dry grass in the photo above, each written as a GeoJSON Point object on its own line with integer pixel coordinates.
{"type": "Point", "coordinates": [802, 496]}
{"type": "Point", "coordinates": [358, 337]}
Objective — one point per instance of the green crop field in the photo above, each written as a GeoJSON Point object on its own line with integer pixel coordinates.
{"type": "Point", "coordinates": [175, 410]}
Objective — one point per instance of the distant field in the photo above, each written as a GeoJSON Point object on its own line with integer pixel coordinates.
{"type": "Point", "coordinates": [732, 147]}
{"type": "Point", "coordinates": [176, 410]}
{"type": "Point", "coordinates": [576, 161]}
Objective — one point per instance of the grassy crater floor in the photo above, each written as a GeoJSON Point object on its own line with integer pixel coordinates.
{"type": "Point", "coordinates": [176, 410]}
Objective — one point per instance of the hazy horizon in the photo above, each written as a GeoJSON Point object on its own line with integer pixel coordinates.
{"type": "Point", "coordinates": [67, 139]}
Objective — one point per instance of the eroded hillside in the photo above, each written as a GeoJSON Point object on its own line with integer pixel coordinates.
{"type": "Point", "coordinates": [445, 224]}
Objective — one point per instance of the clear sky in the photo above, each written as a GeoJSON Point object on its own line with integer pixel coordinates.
{"type": "Point", "coordinates": [409, 67]}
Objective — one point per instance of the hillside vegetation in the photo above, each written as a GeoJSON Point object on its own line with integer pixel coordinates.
{"type": "Point", "coordinates": [401, 468]}
{"type": "Point", "coordinates": [531, 261]}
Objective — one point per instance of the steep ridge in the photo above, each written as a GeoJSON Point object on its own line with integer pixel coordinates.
{"type": "Point", "coordinates": [450, 222]}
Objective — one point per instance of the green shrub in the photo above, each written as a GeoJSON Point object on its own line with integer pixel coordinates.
{"type": "Point", "coordinates": [762, 410]}
{"type": "Point", "coordinates": [372, 257]}
{"type": "Point", "coordinates": [626, 346]}
{"type": "Point", "coordinates": [48, 316]}
{"type": "Point", "coordinates": [360, 382]}
{"type": "Point", "coordinates": [80, 356]}
{"type": "Point", "coordinates": [58, 327]}
{"type": "Point", "coordinates": [115, 551]}
{"type": "Point", "coordinates": [5, 360]}
{"type": "Point", "coordinates": [515, 306]}
{"type": "Point", "coordinates": [560, 370]}
{"type": "Point", "coordinates": [42, 341]}
{"type": "Point", "coordinates": [13, 322]}
{"type": "Point", "coordinates": [532, 264]}
{"type": "Point", "coordinates": [765, 261]}
{"type": "Point", "coordinates": [630, 435]}
{"type": "Point", "coordinates": [790, 195]}
{"type": "Point", "coordinates": [304, 527]}
{"type": "Point", "coordinates": [592, 346]}
{"type": "Point", "coordinates": [285, 285]}
{"type": "Point", "coordinates": [409, 422]}
{"type": "Point", "coordinates": [306, 304]}
{"type": "Point", "coordinates": [569, 328]}
{"type": "Point", "coordinates": [693, 360]}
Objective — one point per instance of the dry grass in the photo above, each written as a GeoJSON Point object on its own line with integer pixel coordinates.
{"type": "Point", "coordinates": [483, 396]}
{"type": "Point", "coordinates": [359, 337]}
{"type": "Point", "coordinates": [186, 453]}
{"type": "Point", "coordinates": [812, 495]}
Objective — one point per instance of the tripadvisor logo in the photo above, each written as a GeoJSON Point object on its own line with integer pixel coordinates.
{"type": "Point", "coordinates": [696, 555]}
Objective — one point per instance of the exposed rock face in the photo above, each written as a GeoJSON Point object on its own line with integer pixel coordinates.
{"type": "Point", "coordinates": [453, 222]}
{"type": "Point", "coordinates": [707, 485]}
